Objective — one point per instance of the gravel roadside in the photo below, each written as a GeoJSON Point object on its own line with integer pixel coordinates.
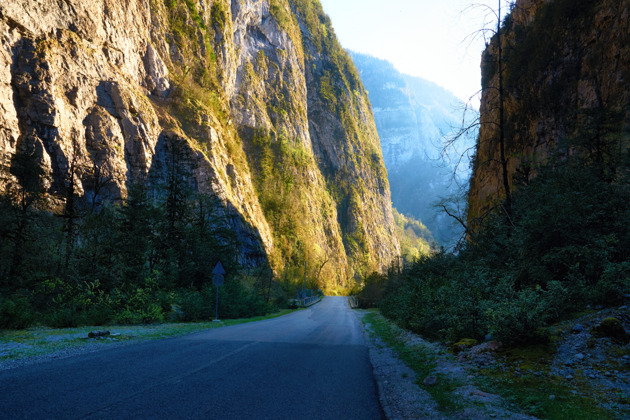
{"type": "Point", "coordinates": [402, 398]}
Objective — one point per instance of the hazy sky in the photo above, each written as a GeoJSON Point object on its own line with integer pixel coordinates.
{"type": "Point", "coordinates": [425, 38]}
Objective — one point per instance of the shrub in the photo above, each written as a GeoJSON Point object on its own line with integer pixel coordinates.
{"type": "Point", "coordinates": [62, 317]}
{"type": "Point", "coordinates": [372, 293]}
{"type": "Point", "coordinates": [518, 317]}
{"type": "Point", "coordinates": [16, 312]}
{"type": "Point", "coordinates": [196, 305]}
{"type": "Point", "coordinates": [614, 284]}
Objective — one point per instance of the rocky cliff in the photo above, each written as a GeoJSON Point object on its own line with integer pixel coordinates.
{"type": "Point", "coordinates": [254, 99]}
{"type": "Point", "coordinates": [566, 72]}
{"type": "Point", "coordinates": [413, 117]}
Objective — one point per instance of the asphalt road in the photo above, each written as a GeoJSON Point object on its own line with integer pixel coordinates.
{"type": "Point", "coordinates": [311, 364]}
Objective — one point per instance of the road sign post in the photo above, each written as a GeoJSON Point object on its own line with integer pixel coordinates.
{"type": "Point", "coordinates": [217, 280]}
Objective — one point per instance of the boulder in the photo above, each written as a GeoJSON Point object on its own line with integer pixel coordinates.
{"type": "Point", "coordinates": [611, 328]}
{"type": "Point", "coordinates": [488, 346]}
{"type": "Point", "coordinates": [463, 344]}
{"type": "Point", "coordinates": [98, 334]}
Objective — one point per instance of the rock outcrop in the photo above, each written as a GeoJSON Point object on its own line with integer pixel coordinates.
{"type": "Point", "coordinates": [566, 67]}
{"type": "Point", "coordinates": [414, 117]}
{"type": "Point", "coordinates": [121, 89]}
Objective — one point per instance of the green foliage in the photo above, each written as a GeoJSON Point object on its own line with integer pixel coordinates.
{"type": "Point", "coordinates": [195, 85]}
{"type": "Point", "coordinates": [371, 294]}
{"type": "Point", "coordinates": [565, 247]}
{"type": "Point", "coordinates": [196, 305]}
{"type": "Point", "coordinates": [414, 237]}
{"type": "Point", "coordinates": [194, 14]}
{"type": "Point", "coordinates": [131, 263]}
{"type": "Point", "coordinates": [281, 175]}
{"type": "Point", "coordinates": [16, 312]}
{"type": "Point", "coordinates": [327, 92]}
{"type": "Point", "coordinates": [281, 11]}
{"type": "Point", "coordinates": [218, 14]}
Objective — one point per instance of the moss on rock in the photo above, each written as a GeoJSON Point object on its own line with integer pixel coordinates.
{"type": "Point", "coordinates": [463, 344]}
{"type": "Point", "coordinates": [612, 328]}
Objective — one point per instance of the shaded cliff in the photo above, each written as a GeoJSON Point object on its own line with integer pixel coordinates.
{"type": "Point", "coordinates": [565, 68]}
{"type": "Point", "coordinates": [254, 99]}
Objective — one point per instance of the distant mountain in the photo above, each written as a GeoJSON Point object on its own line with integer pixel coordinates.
{"type": "Point", "coordinates": [412, 117]}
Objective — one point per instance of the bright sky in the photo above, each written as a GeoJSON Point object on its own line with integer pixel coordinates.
{"type": "Point", "coordinates": [424, 38]}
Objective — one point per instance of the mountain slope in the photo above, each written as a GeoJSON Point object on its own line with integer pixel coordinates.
{"type": "Point", "coordinates": [412, 117]}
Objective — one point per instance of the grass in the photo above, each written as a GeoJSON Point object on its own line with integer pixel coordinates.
{"type": "Point", "coordinates": [533, 395]}
{"type": "Point", "coordinates": [534, 391]}
{"type": "Point", "coordinates": [40, 341]}
{"type": "Point", "coordinates": [418, 358]}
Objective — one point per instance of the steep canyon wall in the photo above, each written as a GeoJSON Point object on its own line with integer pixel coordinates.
{"type": "Point", "coordinates": [255, 99]}
{"type": "Point", "coordinates": [566, 90]}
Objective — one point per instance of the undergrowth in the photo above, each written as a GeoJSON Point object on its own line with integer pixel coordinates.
{"type": "Point", "coordinates": [547, 397]}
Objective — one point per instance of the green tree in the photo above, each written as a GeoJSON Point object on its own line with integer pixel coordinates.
{"type": "Point", "coordinates": [135, 236]}
{"type": "Point", "coordinates": [23, 197]}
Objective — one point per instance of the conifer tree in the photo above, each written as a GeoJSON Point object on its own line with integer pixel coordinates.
{"type": "Point", "coordinates": [23, 197]}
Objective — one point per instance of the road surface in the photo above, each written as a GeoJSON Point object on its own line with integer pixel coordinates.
{"type": "Point", "coordinates": [311, 364]}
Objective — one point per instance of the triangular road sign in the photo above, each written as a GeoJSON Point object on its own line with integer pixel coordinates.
{"type": "Point", "coordinates": [218, 269]}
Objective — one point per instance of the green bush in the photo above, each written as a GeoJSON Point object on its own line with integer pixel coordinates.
{"type": "Point", "coordinates": [128, 317]}
{"type": "Point", "coordinates": [518, 317]}
{"type": "Point", "coordinates": [62, 317]}
{"type": "Point", "coordinates": [614, 284]}
{"type": "Point", "coordinates": [196, 305]}
{"type": "Point", "coordinates": [16, 312]}
{"type": "Point", "coordinates": [97, 314]}
{"type": "Point", "coordinates": [372, 293]}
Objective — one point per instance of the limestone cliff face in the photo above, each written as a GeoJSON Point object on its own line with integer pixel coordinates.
{"type": "Point", "coordinates": [566, 69]}
{"type": "Point", "coordinates": [225, 89]}
{"type": "Point", "coordinates": [413, 116]}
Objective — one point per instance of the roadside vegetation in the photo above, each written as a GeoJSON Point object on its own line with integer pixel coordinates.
{"type": "Point", "coordinates": [499, 383]}
{"type": "Point", "coordinates": [146, 259]}
{"type": "Point", "coordinates": [419, 358]}
{"type": "Point", "coordinates": [42, 341]}
{"type": "Point", "coordinates": [564, 249]}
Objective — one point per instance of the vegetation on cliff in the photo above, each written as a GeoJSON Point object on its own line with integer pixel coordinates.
{"type": "Point", "coordinates": [345, 150]}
